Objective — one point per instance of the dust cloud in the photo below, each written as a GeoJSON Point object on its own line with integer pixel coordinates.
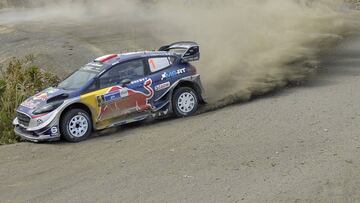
{"type": "Point", "coordinates": [252, 47]}
{"type": "Point", "coordinates": [248, 47]}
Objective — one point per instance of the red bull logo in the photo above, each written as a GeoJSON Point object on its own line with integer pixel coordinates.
{"type": "Point", "coordinates": [34, 101]}
{"type": "Point", "coordinates": [120, 101]}
{"type": "Point", "coordinates": [41, 96]}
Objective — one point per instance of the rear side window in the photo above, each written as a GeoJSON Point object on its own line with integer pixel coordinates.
{"type": "Point", "coordinates": [129, 70]}
{"type": "Point", "coordinates": [159, 63]}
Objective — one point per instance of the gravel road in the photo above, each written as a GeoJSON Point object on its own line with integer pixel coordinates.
{"type": "Point", "coordinates": [299, 144]}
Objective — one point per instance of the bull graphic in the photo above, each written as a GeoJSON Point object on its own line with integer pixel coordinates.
{"type": "Point", "coordinates": [120, 101]}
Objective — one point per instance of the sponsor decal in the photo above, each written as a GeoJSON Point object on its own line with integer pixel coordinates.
{"type": "Point", "coordinates": [118, 101]}
{"type": "Point", "coordinates": [111, 96]}
{"type": "Point", "coordinates": [162, 86]}
{"type": "Point", "coordinates": [159, 54]}
{"type": "Point", "coordinates": [114, 94]}
{"type": "Point", "coordinates": [159, 63]}
{"type": "Point", "coordinates": [92, 67]}
{"type": "Point", "coordinates": [167, 75]}
{"type": "Point", "coordinates": [34, 101]}
{"type": "Point", "coordinates": [131, 53]}
{"type": "Point", "coordinates": [41, 96]}
{"type": "Point", "coordinates": [31, 104]}
{"type": "Point", "coordinates": [39, 122]}
{"type": "Point", "coordinates": [138, 81]}
{"type": "Point", "coordinates": [51, 90]}
{"type": "Point", "coordinates": [54, 130]}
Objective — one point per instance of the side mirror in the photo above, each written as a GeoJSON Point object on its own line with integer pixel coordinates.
{"type": "Point", "coordinates": [125, 82]}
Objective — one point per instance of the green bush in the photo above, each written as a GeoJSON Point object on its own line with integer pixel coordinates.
{"type": "Point", "coordinates": [19, 79]}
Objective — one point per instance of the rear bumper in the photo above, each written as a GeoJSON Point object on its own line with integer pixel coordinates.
{"type": "Point", "coordinates": [201, 90]}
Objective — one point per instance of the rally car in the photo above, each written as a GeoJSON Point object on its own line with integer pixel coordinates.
{"type": "Point", "coordinates": [114, 90]}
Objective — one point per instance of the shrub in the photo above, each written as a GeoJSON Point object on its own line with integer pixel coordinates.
{"type": "Point", "coordinates": [19, 79]}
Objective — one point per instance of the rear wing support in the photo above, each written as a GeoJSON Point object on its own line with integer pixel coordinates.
{"type": "Point", "coordinates": [187, 51]}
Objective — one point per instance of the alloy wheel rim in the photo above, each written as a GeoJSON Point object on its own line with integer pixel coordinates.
{"type": "Point", "coordinates": [186, 102]}
{"type": "Point", "coordinates": [78, 126]}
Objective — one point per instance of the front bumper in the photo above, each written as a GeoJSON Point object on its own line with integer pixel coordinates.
{"type": "Point", "coordinates": [48, 133]}
{"type": "Point", "coordinates": [32, 136]}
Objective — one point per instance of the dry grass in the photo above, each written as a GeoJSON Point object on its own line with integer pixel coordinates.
{"type": "Point", "coordinates": [19, 79]}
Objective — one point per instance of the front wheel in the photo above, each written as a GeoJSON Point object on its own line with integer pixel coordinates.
{"type": "Point", "coordinates": [76, 125]}
{"type": "Point", "coordinates": [185, 102]}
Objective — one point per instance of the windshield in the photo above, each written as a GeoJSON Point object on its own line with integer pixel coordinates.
{"type": "Point", "coordinates": [77, 79]}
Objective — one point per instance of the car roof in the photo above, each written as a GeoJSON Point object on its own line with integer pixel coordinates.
{"type": "Point", "coordinates": [103, 63]}
{"type": "Point", "coordinates": [141, 54]}
{"type": "Point", "coordinates": [134, 55]}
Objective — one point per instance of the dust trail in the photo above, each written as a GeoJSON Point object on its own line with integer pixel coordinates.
{"type": "Point", "coordinates": [249, 47]}
{"type": "Point", "coordinates": [252, 47]}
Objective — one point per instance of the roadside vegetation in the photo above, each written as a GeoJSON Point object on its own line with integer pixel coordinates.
{"type": "Point", "coordinates": [19, 79]}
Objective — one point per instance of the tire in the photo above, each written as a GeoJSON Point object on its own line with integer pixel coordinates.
{"type": "Point", "coordinates": [76, 125]}
{"type": "Point", "coordinates": [185, 102]}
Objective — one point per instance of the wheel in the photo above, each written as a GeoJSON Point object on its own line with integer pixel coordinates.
{"type": "Point", "coordinates": [185, 102]}
{"type": "Point", "coordinates": [76, 125]}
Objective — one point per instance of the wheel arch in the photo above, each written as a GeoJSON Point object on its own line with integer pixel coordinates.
{"type": "Point", "coordinates": [193, 85]}
{"type": "Point", "coordinates": [77, 105]}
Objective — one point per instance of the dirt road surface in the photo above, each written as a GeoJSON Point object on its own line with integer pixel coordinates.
{"type": "Point", "coordinates": [299, 144]}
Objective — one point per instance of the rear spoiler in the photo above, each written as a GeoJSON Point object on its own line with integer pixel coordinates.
{"type": "Point", "coordinates": [187, 51]}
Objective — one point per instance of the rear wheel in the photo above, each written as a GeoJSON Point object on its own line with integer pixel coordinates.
{"type": "Point", "coordinates": [185, 102]}
{"type": "Point", "coordinates": [76, 125]}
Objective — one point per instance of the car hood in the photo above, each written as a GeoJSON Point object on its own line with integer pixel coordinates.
{"type": "Point", "coordinates": [42, 98]}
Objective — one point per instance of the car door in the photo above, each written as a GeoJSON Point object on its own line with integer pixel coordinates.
{"type": "Point", "coordinates": [127, 91]}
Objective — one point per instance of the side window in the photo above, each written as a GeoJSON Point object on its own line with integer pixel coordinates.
{"type": "Point", "coordinates": [129, 70]}
{"type": "Point", "coordinates": [159, 63]}
{"type": "Point", "coordinates": [91, 88]}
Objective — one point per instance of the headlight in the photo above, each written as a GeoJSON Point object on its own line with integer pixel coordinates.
{"type": "Point", "coordinates": [48, 108]}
